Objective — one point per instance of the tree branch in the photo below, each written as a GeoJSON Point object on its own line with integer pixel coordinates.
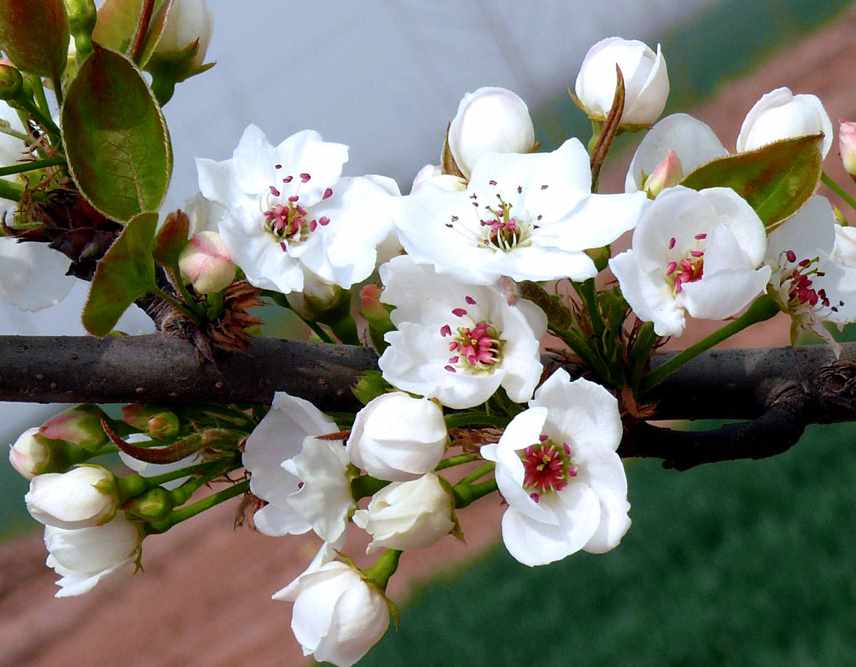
{"type": "Point", "coordinates": [781, 390]}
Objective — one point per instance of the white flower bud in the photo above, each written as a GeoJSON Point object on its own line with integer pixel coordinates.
{"type": "Point", "coordinates": [646, 80]}
{"type": "Point", "coordinates": [188, 21]}
{"type": "Point", "coordinates": [432, 176]}
{"type": "Point", "coordinates": [84, 556]}
{"type": "Point", "coordinates": [30, 454]}
{"type": "Point", "coordinates": [408, 515]}
{"type": "Point", "coordinates": [847, 146]}
{"type": "Point", "coordinates": [337, 616]}
{"type": "Point", "coordinates": [83, 497]}
{"type": "Point", "coordinates": [782, 115]}
{"type": "Point", "coordinates": [398, 438]}
{"type": "Point", "coordinates": [205, 262]}
{"type": "Point", "coordinates": [489, 120]}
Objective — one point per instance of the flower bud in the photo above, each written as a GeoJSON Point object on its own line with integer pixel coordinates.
{"type": "Point", "coordinates": [205, 262]}
{"type": "Point", "coordinates": [431, 175]}
{"type": "Point", "coordinates": [397, 437]}
{"type": "Point", "coordinates": [84, 556]}
{"type": "Point", "coordinates": [847, 146]}
{"type": "Point", "coordinates": [157, 422]}
{"type": "Point", "coordinates": [80, 425]}
{"type": "Point", "coordinates": [188, 30]}
{"type": "Point", "coordinates": [489, 120]}
{"type": "Point", "coordinates": [82, 497]}
{"type": "Point", "coordinates": [668, 173]}
{"type": "Point", "coordinates": [338, 617]}
{"type": "Point", "coordinates": [31, 454]}
{"type": "Point", "coordinates": [318, 297]}
{"type": "Point", "coordinates": [11, 82]}
{"type": "Point", "coordinates": [408, 515]}
{"type": "Point", "coordinates": [153, 505]}
{"type": "Point", "coordinates": [782, 115]}
{"type": "Point", "coordinates": [646, 81]}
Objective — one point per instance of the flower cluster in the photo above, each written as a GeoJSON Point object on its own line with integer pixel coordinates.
{"type": "Point", "coordinates": [497, 254]}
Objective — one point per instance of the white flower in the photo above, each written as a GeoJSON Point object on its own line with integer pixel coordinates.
{"type": "Point", "coordinates": [646, 80]}
{"type": "Point", "coordinates": [693, 142]}
{"type": "Point", "coordinates": [30, 454]}
{"type": "Point", "coordinates": [290, 210]}
{"type": "Point", "coordinates": [844, 250]}
{"type": "Point", "coordinates": [558, 470]}
{"type": "Point", "coordinates": [303, 479]}
{"type": "Point", "coordinates": [84, 556]}
{"type": "Point", "coordinates": [205, 262]}
{"type": "Point", "coordinates": [807, 283]}
{"type": "Point", "coordinates": [83, 497]}
{"type": "Point", "coordinates": [337, 617]}
{"type": "Point", "coordinates": [455, 342]}
{"type": "Point", "coordinates": [187, 22]}
{"type": "Point", "coordinates": [431, 175]}
{"type": "Point", "coordinates": [693, 252]}
{"type": "Point", "coordinates": [408, 515]}
{"type": "Point", "coordinates": [779, 115]}
{"type": "Point", "coordinates": [396, 437]}
{"type": "Point", "coordinates": [529, 217]}
{"type": "Point", "coordinates": [489, 120]}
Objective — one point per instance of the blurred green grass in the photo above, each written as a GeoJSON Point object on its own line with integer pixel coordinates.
{"type": "Point", "coordinates": [746, 563]}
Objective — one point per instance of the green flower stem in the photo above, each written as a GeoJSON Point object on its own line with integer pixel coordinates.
{"type": "Point", "coordinates": [586, 290]}
{"type": "Point", "coordinates": [829, 182]}
{"type": "Point", "coordinates": [460, 419]}
{"type": "Point", "coordinates": [460, 459]}
{"type": "Point", "coordinates": [185, 492]}
{"type": "Point", "coordinates": [180, 285]}
{"type": "Point", "coordinates": [763, 308]}
{"type": "Point", "coordinates": [32, 166]}
{"type": "Point", "coordinates": [466, 494]}
{"type": "Point", "coordinates": [38, 92]}
{"type": "Point", "coordinates": [203, 469]}
{"type": "Point", "coordinates": [178, 305]}
{"type": "Point", "coordinates": [11, 191]}
{"type": "Point", "coordinates": [383, 568]}
{"type": "Point", "coordinates": [190, 511]}
{"type": "Point", "coordinates": [478, 473]}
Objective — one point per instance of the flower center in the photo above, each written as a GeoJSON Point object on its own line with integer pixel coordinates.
{"type": "Point", "coordinates": [797, 282]}
{"type": "Point", "coordinates": [475, 346]}
{"type": "Point", "coordinates": [285, 219]}
{"type": "Point", "coordinates": [499, 229]}
{"type": "Point", "coordinates": [547, 466]}
{"type": "Point", "coordinates": [686, 269]}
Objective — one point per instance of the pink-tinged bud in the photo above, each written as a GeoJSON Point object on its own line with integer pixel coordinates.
{"type": "Point", "coordinates": [80, 426]}
{"type": "Point", "coordinates": [847, 146]}
{"type": "Point", "coordinates": [206, 264]}
{"type": "Point", "coordinates": [30, 455]}
{"type": "Point", "coordinates": [370, 306]}
{"type": "Point", "coordinates": [668, 173]}
{"type": "Point", "coordinates": [155, 421]}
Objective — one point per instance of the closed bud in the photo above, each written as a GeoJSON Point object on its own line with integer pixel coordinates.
{"type": "Point", "coordinates": [489, 120]}
{"type": "Point", "coordinates": [408, 515]}
{"type": "Point", "coordinates": [31, 454]}
{"type": "Point", "coordinates": [372, 309]}
{"type": "Point", "coordinates": [667, 174]}
{"type": "Point", "coordinates": [83, 497]}
{"type": "Point", "coordinates": [80, 426]}
{"type": "Point", "coordinates": [397, 437]}
{"type": "Point", "coordinates": [782, 115]}
{"type": "Point", "coordinates": [318, 298]}
{"type": "Point", "coordinates": [11, 82]}
{"type": "Point", "coordinates": [206, 264]}
{"type": "Point", "coordinates": [646, 81]}
{"type": "Point", "coordinates": [431, 175]}
{"type": "Point", "coordinates": [153, 505]}
{"type": "Point", "coordinates": [847, 146]}
{"type": "Point", "coordinates": [187, 34]}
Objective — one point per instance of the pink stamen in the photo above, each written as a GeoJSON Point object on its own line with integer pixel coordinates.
{"type": "Point", "coordinates": [305, 177]}
{"type": "Point", "coordinates": [445, 330]}
{"type": "Point", "coordinates": [328, 193]}
{"type": "Point", "coordinates": [459, 312]}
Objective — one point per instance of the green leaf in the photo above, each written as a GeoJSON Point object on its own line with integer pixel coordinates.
{"type": "Point", "coordinates": [172, 238]}
{"type": "Point", "coordinates": [124, 274]}
{"type": "Point", "coordinates": [35, 35]}
{"type": "Point", "coordinates": [118, 21]}
{"type": "Point", "coordinates": [116, 138]}
{"type": "Point", "coordinates": [776, 179]}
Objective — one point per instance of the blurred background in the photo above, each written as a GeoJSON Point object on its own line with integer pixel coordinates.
{"type": "Point", "coordinates": [737, 564]}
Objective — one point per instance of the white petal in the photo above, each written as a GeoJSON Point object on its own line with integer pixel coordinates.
{"type": "Point", "coordinates": [32, 275]}
{"type": "Point", "coordinates": [254, 160]}
{"type": "Point", "coordinates": [598, 221]}
{"type": "Point", "coordinates": [648, 294]}
{"type": "Point", "coordinates": [811, 231]}
{"type": "Point", "coordinates": [724, 294]}
{"type": "Point", "coordinates": [741, 220]}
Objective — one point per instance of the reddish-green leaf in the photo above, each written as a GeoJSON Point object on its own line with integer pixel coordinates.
{"type": "Point", "coordinates": [124, 274]}
{"type": "Point", "coordinates": [116, 138]}
{"type": "Point", "coordinates": [172, 238]}
{"type": "Point", "coordinates": [34, 34]}
{"type": "Point", "coordinates": [776, 179]}
{"type": "Point", "coordinates": [118, 21]}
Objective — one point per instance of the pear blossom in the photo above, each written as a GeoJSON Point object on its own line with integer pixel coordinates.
{"type": "Point", "coordinates": [779, 115]}
{"type": "Point", "coordinates": [189, 22]}
{"type": "Point", "coordinates": [83, 497]}
{"type": "Point", "coordinates": [806, 280]}
{"type": "Point", "coordinates": [489, 120]}
{"type": "Point", "coordinates": [456, 342]}
{"type": "Point", "coordinates": [529, 217]}
{"type": "Point", "coordinates": [693, 252]}
{"type": "Point", "coordinates": [337, 616]}
{"type": "Point", "coordinates": [303, 479]}
{"type": "Point", "coordinates": [646, 80]}
{"type": "Point", "coordinates": [396, 437]}
{"type": "Point", "coordinates": [847, 146]}
{"type": "Point", "coordinates": [558, 470]}
{"type": "Point", "coordinates": [692, 142]}
{"type": "Point", "coordinates": [289, 210]}
{"type": "Point", "coordinates": [205, 262]}
{"type": "Point", "coordinates": [408, 515]}
{"type": "Point", "coordinates": [84, 556]}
